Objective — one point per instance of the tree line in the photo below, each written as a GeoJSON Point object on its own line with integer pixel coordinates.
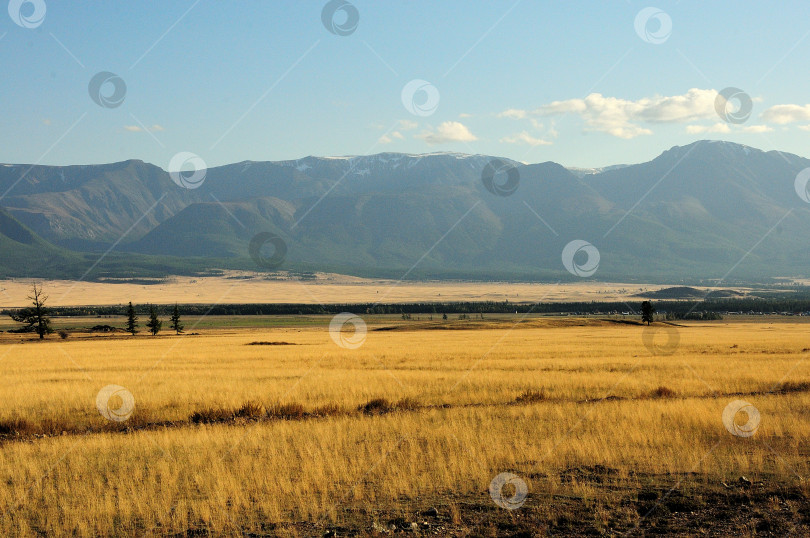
{"type": "Point", "coordinates": [37, 317]}
{"type": "Point", "coordinates": [674, 309]}
{"type": "Point", "coordinates": [155, 323]}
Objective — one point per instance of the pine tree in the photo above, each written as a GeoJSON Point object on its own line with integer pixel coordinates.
{"type": "Point", "coordinates": [176, 325]}
{"type": "Point", "coordinates": [647, 311]}
{"type": "Point", "coordinates": [154, 322]}
{"type": "Point", "coordinates": [35, 317]}
{"type": "Point", "coordinates": [132, 320]}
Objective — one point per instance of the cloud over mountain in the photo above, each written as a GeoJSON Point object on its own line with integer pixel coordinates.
{"type": "Point", "coordinates": [449, 131]}
{"type": "Point", "coordinates": [624, 118]}
{"type": "Point", "coordinates": [782, 114]}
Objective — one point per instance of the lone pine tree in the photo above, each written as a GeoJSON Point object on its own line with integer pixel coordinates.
{"type": "Point", "coordinates": [154, 322]}
{"type": "Point", "coordinates": [132, 320]}
{"type": "Point", "coordinates": [35, 317]}
{"type": "Point", "coordinates": [175, 319]}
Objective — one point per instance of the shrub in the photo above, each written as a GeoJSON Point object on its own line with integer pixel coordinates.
{"type": "Point", "coordinates": [15, 426]}
{"type": "Point", "coordinates": [250, 410]}
{"type": "Point", "coordinates": [381, 406]}
{"type": "Point", "coordinates": [377, 406]}
{"type": "Point", "coordinates": [63, 334]}
{"type": "Point", "coordinates": [210, 415]}
{"type": "Point", "coordinates": [663, 392]}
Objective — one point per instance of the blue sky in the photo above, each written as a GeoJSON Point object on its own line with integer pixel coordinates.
{"type": "Point", "coordinates": [572, 82]}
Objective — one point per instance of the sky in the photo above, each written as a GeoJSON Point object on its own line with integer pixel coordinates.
{"type": "Point", "coordinates": [580, 83]}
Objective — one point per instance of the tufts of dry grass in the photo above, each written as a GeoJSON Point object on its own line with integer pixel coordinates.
{"type": "Point", "coordinates": [290, 411]}
{"type": "Point", "coordinates": [663, 392]}
{"type": "Point", "coordinates": [251, 410]}
{"type": "Point", "coordinates": [386, 426]}
{"type": "Point", "coordinates": [328, 410]}
{"type": "Point", "coordinates": [15, 427]}
{"type": "Point", "coordinates": [531, 396]}
{"type": "Point", "coordinates": [793, 386]}
{"type": "Point", "coordinates": [381, 406]}
{"type": "Point", "coordinates": [211, 415]}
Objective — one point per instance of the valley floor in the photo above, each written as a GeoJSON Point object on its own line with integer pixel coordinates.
{"type": "Point", "coordinates": [323, 288]}
{"type": "Point", "coordinates": [290, 429]}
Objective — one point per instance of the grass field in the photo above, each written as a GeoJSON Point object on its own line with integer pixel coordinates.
{"type": "Point", "coordinates": [324, 288]}
{"type": "Point", "coordinates": [612, 427]}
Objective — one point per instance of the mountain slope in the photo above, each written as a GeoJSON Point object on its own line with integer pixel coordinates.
{"type": "Point", "coordinates": [23, 253]}
{"type": "Point", "coordinates": [694, 212]}
{"type": "Point", "coordinates": [77, 205]}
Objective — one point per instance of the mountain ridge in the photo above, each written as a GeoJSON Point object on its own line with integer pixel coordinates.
{"type": "Point", "coordinates": [691, 212]}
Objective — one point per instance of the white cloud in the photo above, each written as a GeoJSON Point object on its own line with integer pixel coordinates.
{"type": "Point", "coordinates": [756, 129]}
{"type": "Point", "coordinates": [804, 127]}
{"type": "Point", "coordinates": [782, 114]}
{"type": "Point", "coordinates": [513, 114]}
{"type": "Point", "coordinates": [624, 131]}
{"type": "Point", "coordinates": [407, 125]}
{"type": "Point", "coordinates": [157, 127]}
{"type": "Point", "coordinates": [716, 128]}
{"type": "Point", "coordinates": [563, 107]}
{"type": "Point", "coordinates": [465, 115]}
{"type": "Point", "coordinates": [623, 118]}
{"type": "Point", "coordinates": [727, 128]}
{"type": "Point", "coordinates": [525, 138]}
{"type": "Point", "coordinates": [449, 131]}
{"type": "Point", "coordinates": [692, 105]}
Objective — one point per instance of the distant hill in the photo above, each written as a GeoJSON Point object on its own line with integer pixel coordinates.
{"type": "Point", "coordinates": [687, 292]}
{"type": "Point", "coordinates": [691, 214]}
{"type": "Point", "coordinates": [23, 252]}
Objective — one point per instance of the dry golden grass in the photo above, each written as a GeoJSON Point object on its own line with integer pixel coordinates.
{"type": "Point", "coordinates": [461, 406]}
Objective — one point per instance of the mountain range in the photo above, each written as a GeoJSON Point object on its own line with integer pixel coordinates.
{"type": "Point", "coordinates": [706, 211]}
